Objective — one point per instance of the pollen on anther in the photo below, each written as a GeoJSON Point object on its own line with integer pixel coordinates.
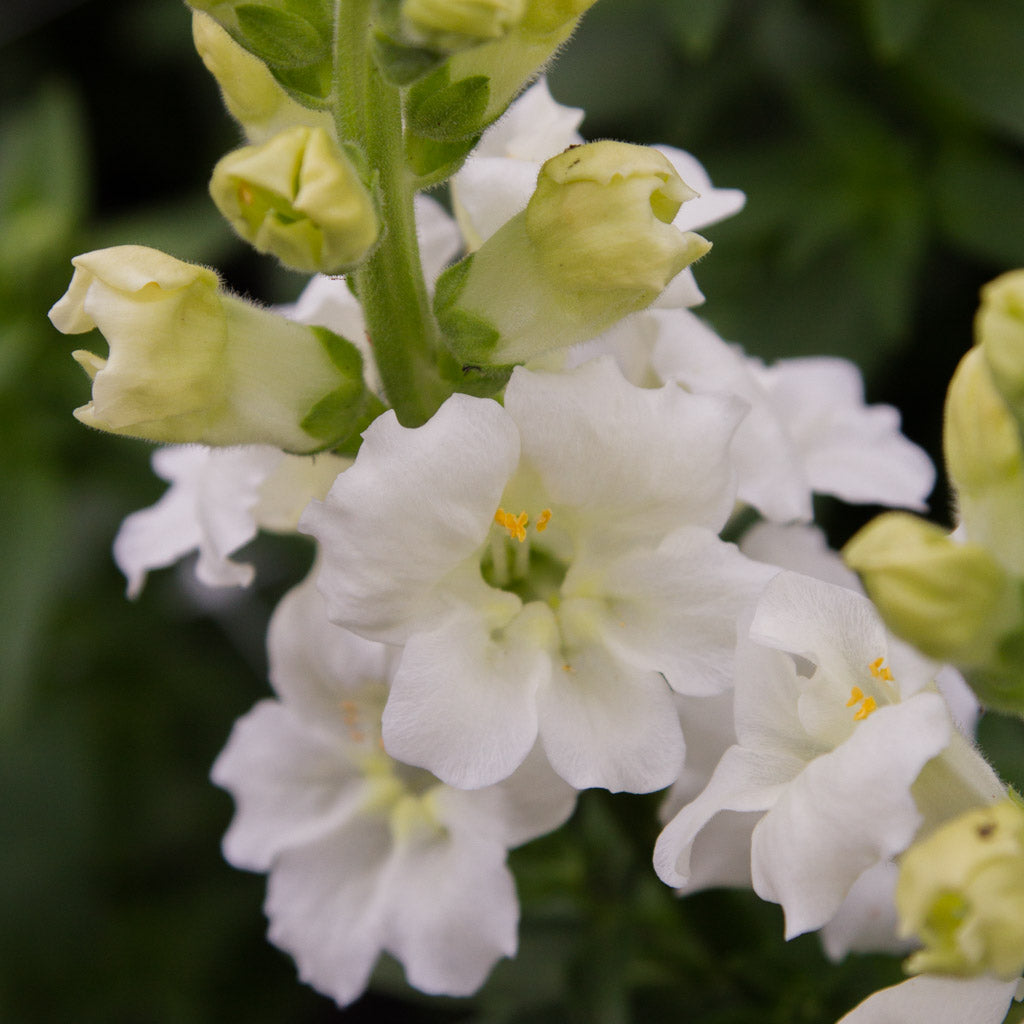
{"type": "Point", "coordinates": [865, 709]}
{"type": "Point", "coordinates": [856, 696]}
{"type": "Point", "coordinates": [516, 525]}
{"type": "Point", "coordinates": [880, 670]}
{"type": "Point", "coordinates": [543, 519]}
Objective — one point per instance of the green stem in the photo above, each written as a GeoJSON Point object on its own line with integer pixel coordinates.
{"type": "Point", "coordinates": [403, 333]}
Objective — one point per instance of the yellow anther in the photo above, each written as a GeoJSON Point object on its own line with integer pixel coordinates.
{"type": "Point", "coordinates": [516, 525]}
{"type": "Point", "coordinates": [880, 671]}
{"type": "Point", "coordinates": [867, 704]}
{"type": "Point", "coordinates": [245, 194]}
{"type": "Point", "coordinates": [865, 709]}
{"type": "Point", "coordinates": [543, 519]}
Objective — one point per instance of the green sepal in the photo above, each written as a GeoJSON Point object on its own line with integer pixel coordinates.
{"type": "Point", "coordinates": [469, 337]}
{"type": "Point", "coordinates": [350, 445]}
{"type": "Point", "coordinates": [281, 38]}
{"type": "Point", "coordinates": [334, 418]}
{"type": "Point", "coordinates": [432, 162]}
{"type": "Point", "coordinates": [437, 108]}
{"type": "Point", "coordinates": [402, 65]}
{"type": "Point", "coordinates": [471, 379]}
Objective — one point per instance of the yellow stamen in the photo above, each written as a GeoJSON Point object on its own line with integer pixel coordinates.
{"type": "Point", "coordinates": [516, 525]}
{"type": "Point", "coordinates": [856, 696]}
{"type": "Point", "coordinates": [543, 519]}
{"type": "Point", "coordinates": [865, 709]}
{"type": "Point", "coordinates": [880, 671]}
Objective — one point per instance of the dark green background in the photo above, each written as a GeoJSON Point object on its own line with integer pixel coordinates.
{"type": "Point", "coordinates": [881, 145]}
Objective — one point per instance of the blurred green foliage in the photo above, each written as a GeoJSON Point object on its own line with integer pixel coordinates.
{"type": "Point", "coordinates": [881, 145]}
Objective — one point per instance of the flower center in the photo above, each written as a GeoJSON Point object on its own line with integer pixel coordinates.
{"type": "Point", "coordinates": [864, 704]}
{"type": "Point", "coordinates": [513, 561]}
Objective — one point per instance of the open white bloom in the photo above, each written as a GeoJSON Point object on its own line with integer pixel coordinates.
{"type": "Point", "coordinates": [543, 578]}
{"type": "Point", "coordinates": [932, 999]}
{"type": "Point", "coordinates": [808, 431]}
{"type": "Point", "coordinates": [367, 855]}
{"type": "Point", "coordinates": [834, 730]}
{"type": "Point", "coordinates": [496, 181]}
{"type": "Point", "coordinates": [218, 499]}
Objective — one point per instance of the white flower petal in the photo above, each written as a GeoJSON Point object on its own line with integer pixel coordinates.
{"type": "Point", "coordinates": [867, 922]}
{"type": "Point", "coordinates": [462, 704]}
{"type": "Point", "coordinates": [581, 432]}
{"type": "Point", "coordinates": [606, 724]}
{"type": "Point", "coordinates": [847, 810]}
{"type": "Point", "coordinates": [743, 781]}
{"type": "Point", "coordinates": [712, 204]}
{"type": "Point", "coordinates": [674, 610]}
{"type": "Point", "coordinates": [930, 999]}
{"type": "Point", "coordinates": [454, 913]}
{"type": "Point", "coordinates": [291, 784]}
{"type": "Point", "coordinates": [327, 904]}
{"type": "Point", "coordinates": [412, 511]}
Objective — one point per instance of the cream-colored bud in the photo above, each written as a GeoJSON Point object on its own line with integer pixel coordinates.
{"type": "Point", "coordinates": [451, 25]}
{"type": "Point", "coordinates": [985, 461]}
{"type": "Point", "coordinates": [999, 330]}
{"type": "Point", "coordinates": [594, 244]}
{"type": "Point", "coordinates": [298, 197]}
{"type": "Point", "coordinates": [252, 95]}
{"type": "Point", "coordinates": [601, 219]}
{"type": "Point", "coordinates": [961, 891]}
{"type": "Point", "coordinates": [190, 362]}
{"type": "Point", "coordinates": [953, 601]}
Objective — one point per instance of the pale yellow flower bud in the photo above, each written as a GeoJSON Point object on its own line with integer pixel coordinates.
{"type": "Point", "coordinates": [961, 891]}
{"type": "Point", "coordinates": [601, 219]}
{"type": "Point", "coordinates": [451, 25]}
{"type": "Point", "coordinates": [190, 362]}
{"type": "Point", "coordinates": [985, 461]}
{"type": "Point", "coordinates": [594, 244]}
{"type": "Point", "coordinates": [251, 94]}
{"type": "Point", "coordinates": [952, 601]}
{"type": "Point", "coordinates": [999, 329]}
{"type": "Point", "coordinates": [298, 197]}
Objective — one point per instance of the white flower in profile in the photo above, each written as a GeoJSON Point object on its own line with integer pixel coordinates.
{"type": "Point", "coordinates": [496, 181]}
{"type": "Point", "coordinates": [834, 730]}
{"type": "Point", "coordinates": [934, 999]}
{"type": "Point", "coordinates": [366, 855]}
{"type": "Point", "coordinates": [218, 500]}
{"type": "Point", "coordinates": [551, 566]}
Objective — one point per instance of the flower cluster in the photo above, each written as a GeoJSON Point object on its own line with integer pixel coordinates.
{"type": "Point", "coordinates": [517, 451]}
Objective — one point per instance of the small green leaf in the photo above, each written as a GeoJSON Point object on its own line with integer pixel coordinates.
{"type": "Point", "coordinates": [434, 162]}
{"type": "Point", "coordinates": [437, 108]}
{"type": "Point", "coordinates": [402, 65]}
{"type": "Point", "coordinates": [281, 38]}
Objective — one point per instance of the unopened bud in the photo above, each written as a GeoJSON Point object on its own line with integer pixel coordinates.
{"type": "Point", "coordinates": [961, 892]}
{"type": "Point", "coordinates": [452, 25]}
{"type": "Point", "coordinates": [595, 243]}
{"type": "Point", "coordinates": [298, 197]}
{"type": "Point", "coordinates": [190, 362]}
{"type": "Point", "coordinates": [999, 330]}
{"type": "Point", "coordinates": [952, 600]}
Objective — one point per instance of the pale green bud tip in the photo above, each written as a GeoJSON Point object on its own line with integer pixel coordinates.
{"type": "Point", "coordinates": [189, 362]}
{"type": "Point", "coordinates": [451, 25]}
{"type": "Point", "coordinates": [601, 219]}
{"type": "Point", "coordinates": [300, 198]}
{"type": "Point", "coordinates": [961, 891]}
{"type": "Point", "coordinates": [950, 600]}
{"type": "Point", "coordinates": [999, 329]}
{"type": "Point", "coordinates": [981, 441]}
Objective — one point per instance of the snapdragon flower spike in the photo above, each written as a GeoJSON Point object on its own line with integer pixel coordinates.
{"type": "Point", "coordinates": [542, 578]}
{"type": "Point", "coordinates": [366, 855]}
{"type": "Point", "coordinates": [834, 756]}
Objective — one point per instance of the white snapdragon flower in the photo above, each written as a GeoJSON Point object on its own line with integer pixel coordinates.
{"type": "Point", "coordinates": [808, 431]}
{"type": "Point", "coordinates": [543, 578]}
{"type": "Point", "coordinates": [932, 999]}
{"type": "Point", "coordinates": [366, 855]}
{"type": "Point", "coordinates": [218, 499]}
{"type": "Point", "coordinates": [498, 178]}
{"type": "Point", "coordinates": [834, 729]}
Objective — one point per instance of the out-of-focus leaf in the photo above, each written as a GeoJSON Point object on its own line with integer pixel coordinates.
{"type": "Point", "coordinates": [979, 201]}
{"type": "Point", "coordinates": [698, 23]}
{"type": "Point", "coordinates": [971, 53]}
{"type": "Point", "coordinates": [896, 24]}
{"type": "Point", "coordinates": [31, 553]}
